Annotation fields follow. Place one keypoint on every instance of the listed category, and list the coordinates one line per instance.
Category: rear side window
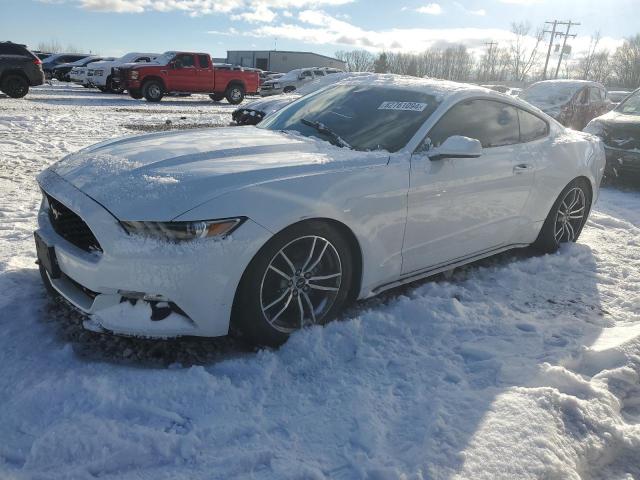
(306, 74)
(8, 49)
(143, 60)
(318, 73)
(495, 124)
(203, 60)
(531, 127)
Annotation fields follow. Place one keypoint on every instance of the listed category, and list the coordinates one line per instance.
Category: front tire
(111, 88)
(135, 94)
(566, 218)
(235, 94)
(16, 86)
(302, 276)
(153, 91)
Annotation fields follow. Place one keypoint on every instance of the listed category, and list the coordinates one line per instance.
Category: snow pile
(522, 366)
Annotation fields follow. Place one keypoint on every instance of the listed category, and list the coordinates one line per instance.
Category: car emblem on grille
(56, 213)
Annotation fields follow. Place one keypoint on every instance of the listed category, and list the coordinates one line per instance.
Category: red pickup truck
(185, 72)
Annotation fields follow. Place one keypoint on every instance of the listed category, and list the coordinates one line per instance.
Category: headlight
(133, 75)
(182, 231)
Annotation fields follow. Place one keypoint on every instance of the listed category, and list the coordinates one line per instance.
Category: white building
(281, 61)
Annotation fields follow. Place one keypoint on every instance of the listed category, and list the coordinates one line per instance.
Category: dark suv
(19, 69)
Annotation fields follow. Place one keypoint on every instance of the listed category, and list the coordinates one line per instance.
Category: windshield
(365, 117)
(549, 93)
(631, 106)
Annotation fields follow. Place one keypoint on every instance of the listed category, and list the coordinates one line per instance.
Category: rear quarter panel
(564, 156)
(223, 77)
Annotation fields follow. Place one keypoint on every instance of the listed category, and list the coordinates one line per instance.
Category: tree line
(522, 60)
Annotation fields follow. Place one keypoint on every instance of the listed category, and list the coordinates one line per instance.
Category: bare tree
(523, 56)
(357, 60)
(54, 46)
(625, 63)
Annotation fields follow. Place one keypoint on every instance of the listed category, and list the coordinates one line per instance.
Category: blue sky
(113, 27)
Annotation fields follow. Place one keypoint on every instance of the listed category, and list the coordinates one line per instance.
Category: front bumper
(620, 161)
(267, 91)
(200, 278)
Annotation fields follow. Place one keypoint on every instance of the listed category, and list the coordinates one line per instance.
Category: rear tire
(302, 276)
(216, 97)
(16, 86)
(234, 94)
(566, 218)
(153, 91)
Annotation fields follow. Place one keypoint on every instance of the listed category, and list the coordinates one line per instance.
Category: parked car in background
(497, 88)
(186, 72)
(619, 129)
(101, 74)
(252, 113)
(293, 80)
(616, 96)
(343, 194)
(62, 71)
(571, 102)
(19, 69)
(41, 55)
(52, 61)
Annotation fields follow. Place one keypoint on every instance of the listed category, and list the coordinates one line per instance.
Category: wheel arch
(343, 229)
(236, 82)
(150, 78)
(13, 71)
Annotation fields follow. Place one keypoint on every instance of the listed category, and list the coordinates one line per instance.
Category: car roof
(571, 82)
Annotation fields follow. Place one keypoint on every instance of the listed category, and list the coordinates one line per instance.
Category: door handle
(522, 168)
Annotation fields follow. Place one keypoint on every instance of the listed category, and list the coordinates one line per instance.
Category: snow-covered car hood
(160, 176)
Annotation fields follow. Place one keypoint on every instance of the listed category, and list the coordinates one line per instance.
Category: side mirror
(456, 147)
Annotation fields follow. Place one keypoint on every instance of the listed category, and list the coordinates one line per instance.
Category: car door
(182, 75)
(462, 207)
(306, 76)
(581, 110)
(204, 75)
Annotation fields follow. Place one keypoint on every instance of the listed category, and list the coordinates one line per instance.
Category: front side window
(366, 117)
(186, 61)
(306, 74)
(495, 124)
(143, 60)
(531, 127)
(318, 73)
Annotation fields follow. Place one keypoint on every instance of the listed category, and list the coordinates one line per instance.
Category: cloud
(521, 2)
(247, 9)
(430, 9)
(261, 14)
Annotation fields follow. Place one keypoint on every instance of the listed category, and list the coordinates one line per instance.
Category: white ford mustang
(359, 187)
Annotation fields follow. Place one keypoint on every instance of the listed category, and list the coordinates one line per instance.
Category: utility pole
(564, 44)
(553, 35)
(490, 61)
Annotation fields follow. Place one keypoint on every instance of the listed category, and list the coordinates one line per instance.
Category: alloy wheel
(570, 216)
(301, 283)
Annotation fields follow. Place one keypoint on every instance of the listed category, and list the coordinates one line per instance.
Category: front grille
(71, 227)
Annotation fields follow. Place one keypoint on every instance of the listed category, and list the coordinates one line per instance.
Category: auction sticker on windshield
(410, 106)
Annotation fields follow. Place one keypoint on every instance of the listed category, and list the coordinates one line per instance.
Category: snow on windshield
(165, 58)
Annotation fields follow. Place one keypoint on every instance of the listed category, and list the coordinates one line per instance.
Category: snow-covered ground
(522, 366)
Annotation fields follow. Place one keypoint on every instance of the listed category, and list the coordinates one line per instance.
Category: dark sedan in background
(620, 132)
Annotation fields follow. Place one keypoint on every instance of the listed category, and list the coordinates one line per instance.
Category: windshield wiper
(322, 128)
